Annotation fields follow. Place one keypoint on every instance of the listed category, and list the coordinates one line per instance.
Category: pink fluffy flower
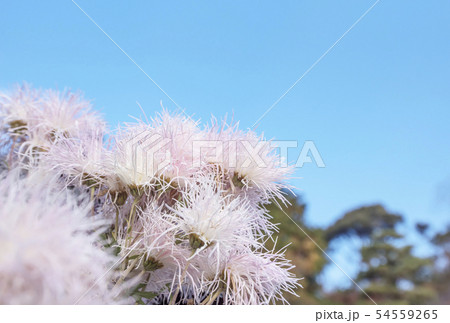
(80, 160)
(146, 153)
(210, 219)
(258, 278)
(35, 120)
(20, 107)
(49, 251)
(67, 114)
(247, 277)
(249, 161)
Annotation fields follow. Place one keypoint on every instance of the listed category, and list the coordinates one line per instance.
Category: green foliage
(389, 271)
(362, 222)
(441, 277)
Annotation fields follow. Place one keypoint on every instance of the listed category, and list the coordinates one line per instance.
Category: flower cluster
(181, 208)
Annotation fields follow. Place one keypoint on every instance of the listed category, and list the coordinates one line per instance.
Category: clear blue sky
(377, 106)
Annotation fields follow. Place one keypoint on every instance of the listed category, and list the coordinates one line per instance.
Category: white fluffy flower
(258, 278)
(211, 219)
(80, 160)
(249, 161)
(49, 253)
(34, 120)
(145, 153)
(66, 114)
(248, 277)
(20, 107)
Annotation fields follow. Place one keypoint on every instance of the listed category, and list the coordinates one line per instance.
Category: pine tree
(441, 277)
(389, 272)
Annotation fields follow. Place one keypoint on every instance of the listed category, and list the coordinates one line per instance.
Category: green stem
(212, 298)
(116, 229)
(126, 272)
(183, 276)
(132, 212)
(92, 199)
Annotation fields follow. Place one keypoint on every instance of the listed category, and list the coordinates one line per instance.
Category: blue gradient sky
(377, 106)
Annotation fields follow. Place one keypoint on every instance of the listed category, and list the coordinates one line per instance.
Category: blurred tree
(441, 278)
(362, 222)
(422, 228)
(389, 271)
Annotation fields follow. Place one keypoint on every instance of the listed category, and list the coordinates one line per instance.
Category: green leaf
(147, 295)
